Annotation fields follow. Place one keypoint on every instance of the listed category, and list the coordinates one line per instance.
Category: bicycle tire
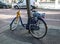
(32, 31)
(11, 28)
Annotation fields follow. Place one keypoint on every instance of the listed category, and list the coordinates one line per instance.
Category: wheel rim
(16, 7)
(42, 30)
(15, 24)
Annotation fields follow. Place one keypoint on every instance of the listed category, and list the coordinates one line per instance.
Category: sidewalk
(12, 16)
(23, 37)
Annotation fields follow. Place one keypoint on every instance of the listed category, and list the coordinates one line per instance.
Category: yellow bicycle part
(18, 15)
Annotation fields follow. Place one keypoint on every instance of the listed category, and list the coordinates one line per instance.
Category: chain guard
(33, 27)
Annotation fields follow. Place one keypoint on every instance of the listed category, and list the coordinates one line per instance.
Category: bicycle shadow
(22, 35)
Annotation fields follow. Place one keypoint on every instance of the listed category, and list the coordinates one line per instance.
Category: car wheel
(16, 7)
(4, 7)
(7, 7)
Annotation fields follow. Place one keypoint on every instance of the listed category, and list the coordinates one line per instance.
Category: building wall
(47, 4)
(46, 0)
(43, 0)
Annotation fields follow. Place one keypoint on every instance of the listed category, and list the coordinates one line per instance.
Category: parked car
(22, 4)
(4, 5)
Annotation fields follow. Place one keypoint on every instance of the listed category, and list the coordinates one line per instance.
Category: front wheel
(4, 7)
(14, 24)
(39, 30)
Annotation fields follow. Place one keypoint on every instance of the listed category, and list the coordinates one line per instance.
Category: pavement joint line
(4, 28)
(7, 27)
(53, 27)
(53, 19)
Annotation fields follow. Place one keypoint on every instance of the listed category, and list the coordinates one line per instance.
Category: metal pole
(28, 10)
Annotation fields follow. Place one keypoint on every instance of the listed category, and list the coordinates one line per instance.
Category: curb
(49, 9)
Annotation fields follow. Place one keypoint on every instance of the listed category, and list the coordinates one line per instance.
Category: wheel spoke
(41, 31)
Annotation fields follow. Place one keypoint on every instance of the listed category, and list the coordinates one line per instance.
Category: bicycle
(37, 26)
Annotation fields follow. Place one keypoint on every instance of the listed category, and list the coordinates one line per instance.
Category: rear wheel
(41, 31)
(14, 24)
